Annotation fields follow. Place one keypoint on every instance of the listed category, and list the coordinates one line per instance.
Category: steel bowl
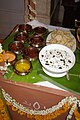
(31, 53)
(37, 41)
(22, 37)
(16, 47)
(40, 30)
(22, 67)
(9, 57)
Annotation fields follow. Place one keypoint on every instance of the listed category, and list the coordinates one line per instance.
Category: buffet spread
(43, 55)
(68, 81)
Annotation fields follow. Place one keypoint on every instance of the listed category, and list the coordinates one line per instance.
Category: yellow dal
(23, 67)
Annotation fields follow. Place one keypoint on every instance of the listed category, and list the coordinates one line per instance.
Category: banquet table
(37, 84)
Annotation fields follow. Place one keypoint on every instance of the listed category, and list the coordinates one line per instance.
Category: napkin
(48, 84)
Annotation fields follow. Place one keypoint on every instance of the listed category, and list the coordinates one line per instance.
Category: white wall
(11, 13)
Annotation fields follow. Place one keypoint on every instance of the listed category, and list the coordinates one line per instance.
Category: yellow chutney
(23, 66)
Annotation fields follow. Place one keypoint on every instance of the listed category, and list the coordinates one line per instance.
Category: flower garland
(4, 115)
(65, 104)
(3, 68)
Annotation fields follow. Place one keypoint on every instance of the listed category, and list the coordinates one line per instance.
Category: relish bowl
(31, 53)
(22, 37)
(40, 30)
(9, 57)
(22, 67)
(16, 47)
(37, 41)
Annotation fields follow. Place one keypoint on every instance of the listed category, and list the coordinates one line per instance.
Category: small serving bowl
(28, 28)
(22, 36)
(56, 60)
(9, 57)
(22, 67)
(22, 27)
(16, 47)
(40, 30)
(31, 53)
(37, 41)
(25, 27)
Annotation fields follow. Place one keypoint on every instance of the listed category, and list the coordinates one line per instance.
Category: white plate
(54, 74)
(56, 58)
(73, 47)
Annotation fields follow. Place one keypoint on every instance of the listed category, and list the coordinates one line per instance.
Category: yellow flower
(76, 113)
(30, 116)
(1, 57)
(21, 112)
(1, 104)
(14, 108)
(7, 103)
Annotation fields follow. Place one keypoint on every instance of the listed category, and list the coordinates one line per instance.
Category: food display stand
(25, 97)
